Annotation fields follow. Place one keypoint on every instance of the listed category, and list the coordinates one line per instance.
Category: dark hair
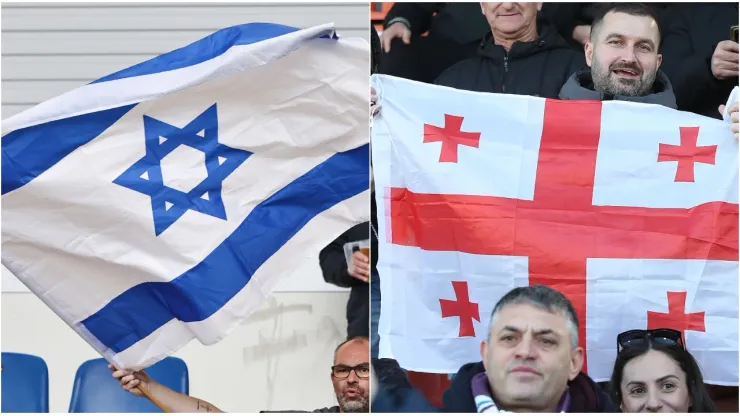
(347, 341)
(545, 298)
(700, 400)
(632, 9)
(374, 50)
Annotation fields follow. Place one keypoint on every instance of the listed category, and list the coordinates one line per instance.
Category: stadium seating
(96, 391)
(25, 384)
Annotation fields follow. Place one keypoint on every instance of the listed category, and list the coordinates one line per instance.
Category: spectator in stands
(531, 363)
(624, 62)
(350, 376)
(654, 373)
(519, 55)
(355, 275)
(622, 54)
(699, 57)
(453, 32)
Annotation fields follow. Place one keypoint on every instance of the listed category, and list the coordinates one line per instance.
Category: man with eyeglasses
(350, 376)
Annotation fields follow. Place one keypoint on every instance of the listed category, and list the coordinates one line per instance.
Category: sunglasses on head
(637, 337)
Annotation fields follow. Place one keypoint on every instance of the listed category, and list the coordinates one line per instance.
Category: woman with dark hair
(654, 373)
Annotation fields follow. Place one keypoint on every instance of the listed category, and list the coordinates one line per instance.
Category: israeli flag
(163, 203)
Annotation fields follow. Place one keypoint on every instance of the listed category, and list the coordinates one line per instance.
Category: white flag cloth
(163, 203)
(630, 210)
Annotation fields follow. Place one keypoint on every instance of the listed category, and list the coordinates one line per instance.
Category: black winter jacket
(538, 68)
(689, 40)
(459, 22)
(334, 267)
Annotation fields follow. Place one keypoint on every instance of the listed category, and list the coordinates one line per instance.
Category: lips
(626, 72)
(352, 393)
(524, 369)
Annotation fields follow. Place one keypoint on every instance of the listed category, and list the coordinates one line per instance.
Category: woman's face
(654, 383)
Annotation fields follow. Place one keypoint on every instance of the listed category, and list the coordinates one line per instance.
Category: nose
(352, 378)
(653, 404)
(628, 55)
(525, 349)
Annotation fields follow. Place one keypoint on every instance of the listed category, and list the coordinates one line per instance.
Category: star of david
(169, 204)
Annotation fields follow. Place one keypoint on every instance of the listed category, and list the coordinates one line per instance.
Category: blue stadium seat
(96, 391)
(25, 387)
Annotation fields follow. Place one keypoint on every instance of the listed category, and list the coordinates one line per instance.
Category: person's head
(622, 50)
(532, 348)
(654, 373)
(350, 375)
(511, 20)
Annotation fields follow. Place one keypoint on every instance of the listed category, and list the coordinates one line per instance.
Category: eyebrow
(643, 40)
(642, 383)
(538, 332)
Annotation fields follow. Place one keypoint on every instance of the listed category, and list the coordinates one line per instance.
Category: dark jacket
(581, 87)
(689, 41)
(538, 68)
(585, 395)
(462, 23)
(396, 396)
(334, 267)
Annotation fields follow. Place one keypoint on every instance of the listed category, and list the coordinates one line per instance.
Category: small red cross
(451, 136)
(677, 318)
(687, 154)
(462, 307)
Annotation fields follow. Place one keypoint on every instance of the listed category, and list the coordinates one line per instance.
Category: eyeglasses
(662, 336)
(342, 371)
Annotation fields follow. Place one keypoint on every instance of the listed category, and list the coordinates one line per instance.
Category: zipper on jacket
(506, 69)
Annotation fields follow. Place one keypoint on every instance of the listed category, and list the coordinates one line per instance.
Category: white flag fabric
(630, 210)
(162, 203)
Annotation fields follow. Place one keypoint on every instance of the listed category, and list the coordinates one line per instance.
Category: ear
(589, 52)
(482, 9)
(539, 7)
(576, 362)
(660, 60)
(483, 351)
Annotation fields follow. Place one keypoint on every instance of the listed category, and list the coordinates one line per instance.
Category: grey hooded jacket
(580, 86)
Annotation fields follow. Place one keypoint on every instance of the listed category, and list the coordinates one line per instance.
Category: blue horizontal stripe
(198, 293)
(30, 151)
(203, 50)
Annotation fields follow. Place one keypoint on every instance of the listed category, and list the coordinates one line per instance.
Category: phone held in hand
(733, 33)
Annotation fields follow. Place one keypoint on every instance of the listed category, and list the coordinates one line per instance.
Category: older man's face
(624, 57)
(510, 18)
(351, 377)
(529, 357)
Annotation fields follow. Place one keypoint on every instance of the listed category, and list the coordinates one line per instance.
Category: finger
(735, 128)
(376, 110)
(386, 42)
(132, 385)
(734, 108)
(406, 36)
(729, 45)
(120, 373)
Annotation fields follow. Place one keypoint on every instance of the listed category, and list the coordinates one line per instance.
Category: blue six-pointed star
(169, 204)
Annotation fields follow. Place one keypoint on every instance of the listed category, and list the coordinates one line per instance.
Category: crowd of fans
(679, 55)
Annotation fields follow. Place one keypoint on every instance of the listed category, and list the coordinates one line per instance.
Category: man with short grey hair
(531, 363)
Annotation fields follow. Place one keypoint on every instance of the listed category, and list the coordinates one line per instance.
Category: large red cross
(687, 154)
(677, 318)
(462, 307)
(451, 136)
(560, 228)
